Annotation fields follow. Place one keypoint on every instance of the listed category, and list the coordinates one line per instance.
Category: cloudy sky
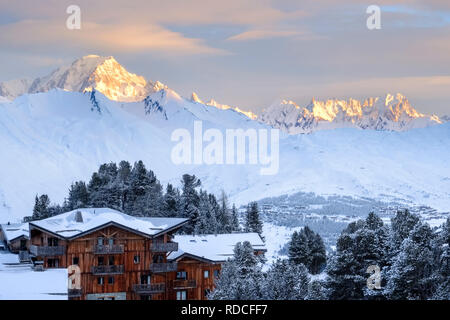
(247, 53)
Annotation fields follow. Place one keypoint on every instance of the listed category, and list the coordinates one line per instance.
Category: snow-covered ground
(20, 282)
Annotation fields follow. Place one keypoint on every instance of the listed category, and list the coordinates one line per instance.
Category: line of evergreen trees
(136, 191)
(413, 259)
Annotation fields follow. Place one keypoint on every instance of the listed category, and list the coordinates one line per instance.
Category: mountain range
(106, 75)
(51, 138)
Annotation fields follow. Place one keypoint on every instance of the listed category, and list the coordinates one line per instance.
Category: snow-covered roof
(15, 230)
(213, 247)
(67, 225)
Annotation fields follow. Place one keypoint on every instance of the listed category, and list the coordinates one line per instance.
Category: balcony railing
(108, 249)
(164, 247)
(100, 270)
(163, 267)
(74, 293)
(44, 251)
(149, 288)
(184, 284)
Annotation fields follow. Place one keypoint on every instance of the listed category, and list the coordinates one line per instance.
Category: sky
(246, 53)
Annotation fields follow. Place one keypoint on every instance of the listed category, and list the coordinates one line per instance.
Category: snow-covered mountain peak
(91, 72)
(394, 113)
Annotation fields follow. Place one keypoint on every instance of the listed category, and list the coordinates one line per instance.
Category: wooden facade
(114, 262)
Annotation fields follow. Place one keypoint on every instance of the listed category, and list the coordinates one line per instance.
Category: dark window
(111, 280)
(182, 275)
(100, 241)
(101, 261)
(111, 260)
(216, 273)
(207, 291)
(145, 279)
(75, 260)
(137, 259)
(52, 242)
(158, 258)
(100, 281)
(53, 263)
(181, 295)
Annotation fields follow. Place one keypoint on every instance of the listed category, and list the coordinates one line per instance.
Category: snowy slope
(393, 113)
(52, 139)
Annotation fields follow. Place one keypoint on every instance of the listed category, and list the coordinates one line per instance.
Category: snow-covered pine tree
(123, 183)
(253, 222)
(171, 202)
(241, 277)
(78, 196)
(235, 226)
(41, 207)
(442, 263)
(316, 291)
(286, 281)
(190, 201)
(307, 248)
(223, 214)
(411, 274)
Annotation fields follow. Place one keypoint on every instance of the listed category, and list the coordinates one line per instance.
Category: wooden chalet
(110, 255)
(114, 256)
(14, 236)
(199, 262)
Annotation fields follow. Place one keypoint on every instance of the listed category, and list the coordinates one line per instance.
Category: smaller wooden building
(199, 262)
(15, 236)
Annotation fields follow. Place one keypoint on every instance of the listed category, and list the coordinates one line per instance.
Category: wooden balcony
(184, 284)
(164, 247)
(74, 293)
(104, 270)
(46, 251)
(108, 249)
(149, 288)
(163, 267)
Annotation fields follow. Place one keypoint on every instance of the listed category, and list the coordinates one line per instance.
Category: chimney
(78, 217)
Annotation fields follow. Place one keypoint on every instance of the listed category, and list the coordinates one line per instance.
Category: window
(53, 263)
(216, 273)
(206, 274)
(52, 242)
(111, 280)
(75, 260)
(101, 260)
(145, 279)
(158, 258)
(181, 295)
(100, 281)
(207, 292)
(111, 241)
(100, 241)
(137, 259)
(182, 275)
(111, 260)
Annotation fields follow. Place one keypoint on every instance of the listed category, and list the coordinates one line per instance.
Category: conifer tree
(253, 222)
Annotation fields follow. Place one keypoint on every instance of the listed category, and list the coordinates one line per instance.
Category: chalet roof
(15, 230)
(216, 248)
(69, 225)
